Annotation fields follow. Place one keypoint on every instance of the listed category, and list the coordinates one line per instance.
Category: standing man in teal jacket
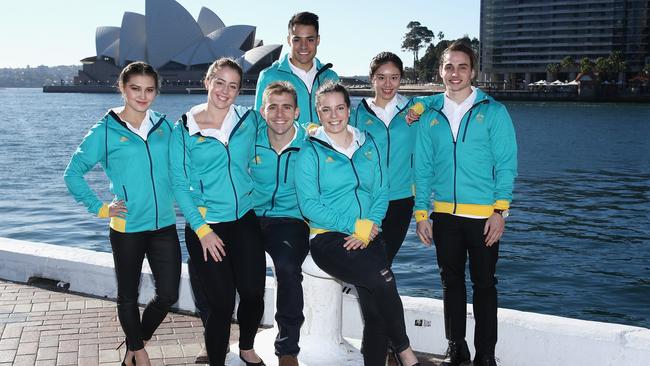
(285, 234)
(466, 154)
(300, 67)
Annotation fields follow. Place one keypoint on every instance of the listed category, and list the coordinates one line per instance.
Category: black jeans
(243, 269)
(200, 299)
(287, 242)
(367, 269)
(163, 253)
(455, 237)
(396, 224)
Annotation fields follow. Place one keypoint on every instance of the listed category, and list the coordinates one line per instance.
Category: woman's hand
(117, 209)
(425, 232)
(212, 244)
(374, 232)
(353, 243)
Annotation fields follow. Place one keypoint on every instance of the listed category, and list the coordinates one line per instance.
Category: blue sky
(45, 32)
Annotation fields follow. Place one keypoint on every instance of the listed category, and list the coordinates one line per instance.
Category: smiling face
(223, 87)
(385, 82)
(303, 40)
(333, 112)
(138, 92)
(457, 74)
(279, 112)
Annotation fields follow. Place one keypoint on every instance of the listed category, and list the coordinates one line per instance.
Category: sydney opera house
(178, 46)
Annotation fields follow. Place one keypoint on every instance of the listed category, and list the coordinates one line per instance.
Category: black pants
(163, 253)
(287, 242)
(396, 224)
(200, 299)
(368, 270)
(243, 269)
(456, 237)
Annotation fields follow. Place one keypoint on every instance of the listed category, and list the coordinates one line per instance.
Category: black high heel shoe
(261, 363)
(126, 352)
(399, 359)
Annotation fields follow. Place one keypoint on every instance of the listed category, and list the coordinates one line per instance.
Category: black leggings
(396, 224)
(163, 253)
(243, 269)
(367, 269)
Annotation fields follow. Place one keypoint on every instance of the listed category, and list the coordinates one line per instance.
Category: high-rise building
(520, 38)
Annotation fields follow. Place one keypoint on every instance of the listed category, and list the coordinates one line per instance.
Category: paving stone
(9, 344)
(29, 336)
(109, 355)
(69, 346)
(88, 350)
(12, 332)
(46, 353)
(25, 360)
(66, 358)
(27, 348)
(7, 355)
(172, 350)
(154, 352)
(88, 361)
(45, 362)
(22, 308)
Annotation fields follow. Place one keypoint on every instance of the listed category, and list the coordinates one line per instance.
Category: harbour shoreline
(525, 338)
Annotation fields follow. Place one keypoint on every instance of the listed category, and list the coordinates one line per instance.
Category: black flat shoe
(261, 363)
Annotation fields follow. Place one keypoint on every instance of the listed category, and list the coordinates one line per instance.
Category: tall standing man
(285, 233)
(300, 67)
(466, 154)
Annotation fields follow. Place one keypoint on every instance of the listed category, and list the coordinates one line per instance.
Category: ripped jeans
(368, 270)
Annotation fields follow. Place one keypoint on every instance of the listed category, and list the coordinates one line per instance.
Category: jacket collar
(283, 64)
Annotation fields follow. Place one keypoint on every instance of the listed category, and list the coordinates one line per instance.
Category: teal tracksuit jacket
(138, 172)
(341, 194)
(474, 174)
(281, 71)
(210, 179)
(274, 191)
(397, 143)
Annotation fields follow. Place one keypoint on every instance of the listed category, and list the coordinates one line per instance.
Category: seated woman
(343, 191)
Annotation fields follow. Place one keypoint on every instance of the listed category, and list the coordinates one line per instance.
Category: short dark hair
(332, 87)
(384, 58)
(279, 87)
(460, 46)
(304, 18)
(224, 62)
(137, 68)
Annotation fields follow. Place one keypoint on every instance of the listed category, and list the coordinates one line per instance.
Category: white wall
(524, 338)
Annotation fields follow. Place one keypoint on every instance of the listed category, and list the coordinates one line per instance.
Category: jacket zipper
(470, 111)
(126, 197)
(146, 144)
(320, 71)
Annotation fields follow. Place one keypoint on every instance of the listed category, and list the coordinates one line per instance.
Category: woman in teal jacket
(343, 190)
(131, 144)
(384, 116)
(210, 151)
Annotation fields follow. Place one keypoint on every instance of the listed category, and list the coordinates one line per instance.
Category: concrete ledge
(524, 338)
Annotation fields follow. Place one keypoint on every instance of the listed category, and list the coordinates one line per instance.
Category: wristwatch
(503, 213)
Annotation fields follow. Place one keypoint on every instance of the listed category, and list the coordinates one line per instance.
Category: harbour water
(577, 242)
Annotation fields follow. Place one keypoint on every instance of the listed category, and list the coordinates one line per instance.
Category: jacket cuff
(362, 229)
(103, 211)
(420, 215)
(501, 205)
(203, 230)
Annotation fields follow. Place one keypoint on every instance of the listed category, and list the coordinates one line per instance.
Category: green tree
(417, 37)
(441, 36)
(567, 63)
(617, 62)
(586, 65)
(602, 67)
(553, 68)
(646, 70)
